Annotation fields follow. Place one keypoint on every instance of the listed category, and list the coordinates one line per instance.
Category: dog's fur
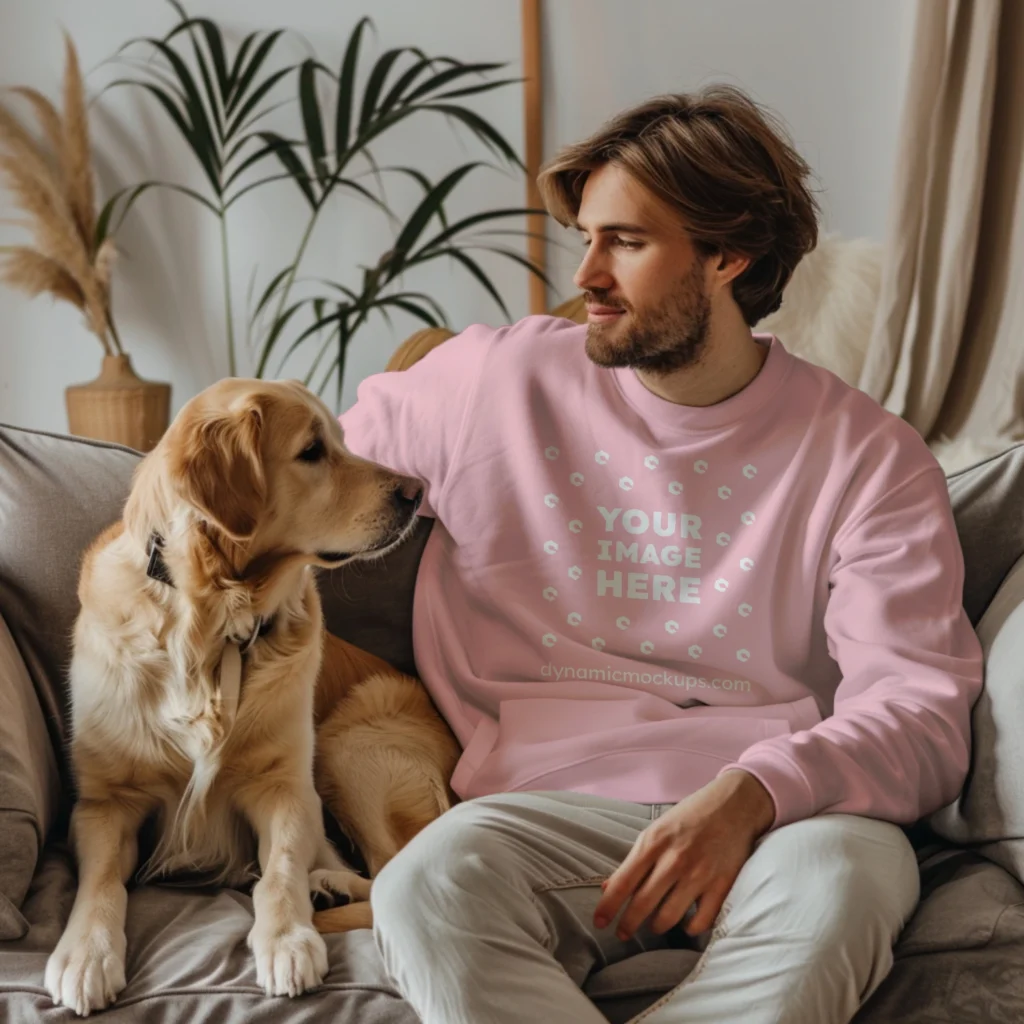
(249, 489)
(384, 757)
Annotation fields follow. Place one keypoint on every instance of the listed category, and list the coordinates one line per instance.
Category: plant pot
(119, 406)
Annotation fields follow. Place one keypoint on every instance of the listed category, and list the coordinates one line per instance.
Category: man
(691, 605)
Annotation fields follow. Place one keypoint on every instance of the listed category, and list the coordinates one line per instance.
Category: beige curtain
(947, 349)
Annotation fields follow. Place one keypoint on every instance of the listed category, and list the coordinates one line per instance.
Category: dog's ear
(221, 469)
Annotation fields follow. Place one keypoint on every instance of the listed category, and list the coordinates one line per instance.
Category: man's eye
(622, 243)
(314, 452)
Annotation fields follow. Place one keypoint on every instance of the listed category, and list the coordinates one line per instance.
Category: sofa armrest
(29, 784)
(416, 346)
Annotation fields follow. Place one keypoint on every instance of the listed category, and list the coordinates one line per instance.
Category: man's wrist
(756, 798)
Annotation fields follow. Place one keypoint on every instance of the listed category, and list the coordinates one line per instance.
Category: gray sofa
(960, 959)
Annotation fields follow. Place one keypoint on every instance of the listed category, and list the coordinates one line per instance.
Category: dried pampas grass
(53, 187)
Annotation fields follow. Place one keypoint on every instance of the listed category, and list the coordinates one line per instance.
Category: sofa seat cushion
(960, 959)
(624, 989)
(188, 962)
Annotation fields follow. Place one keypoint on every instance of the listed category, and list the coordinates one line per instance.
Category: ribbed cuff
(789, 789)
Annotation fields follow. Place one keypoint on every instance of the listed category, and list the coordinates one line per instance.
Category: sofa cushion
(188, 962)
(624, 989)
(988, 505)
(960, 959)
(56, 494)
(29, 785)
(369, 604)
(990, 808)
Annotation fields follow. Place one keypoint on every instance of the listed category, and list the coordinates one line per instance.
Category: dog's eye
(314, 452)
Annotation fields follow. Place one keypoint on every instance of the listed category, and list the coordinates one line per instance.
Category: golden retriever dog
(384, 758)
(194, 674)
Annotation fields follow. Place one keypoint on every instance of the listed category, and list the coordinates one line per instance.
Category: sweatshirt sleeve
(411, 421)
(897, 746)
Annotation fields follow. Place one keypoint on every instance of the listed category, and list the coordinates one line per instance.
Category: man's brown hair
(725, 164)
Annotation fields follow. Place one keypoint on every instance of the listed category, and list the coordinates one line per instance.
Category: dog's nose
(407, 496)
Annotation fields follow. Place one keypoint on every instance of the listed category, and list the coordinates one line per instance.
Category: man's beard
(661, 340)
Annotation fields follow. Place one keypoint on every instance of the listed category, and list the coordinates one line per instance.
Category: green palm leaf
(285, 152)
(375, 84)
(312, 120)
(241, 119)
(442, 78)
(429, 207)
(477, 218)
(398, 90)
(103, 227)
(214, 44)
(489, 135)
(245, 77)
(346, 88)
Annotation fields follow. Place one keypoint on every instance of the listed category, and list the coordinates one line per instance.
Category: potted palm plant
(71, 258)
(216, 98)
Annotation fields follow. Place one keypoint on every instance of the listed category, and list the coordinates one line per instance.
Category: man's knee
(454, 858)
(833, 877)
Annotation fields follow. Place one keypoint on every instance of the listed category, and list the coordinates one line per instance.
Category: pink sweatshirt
(626, 597)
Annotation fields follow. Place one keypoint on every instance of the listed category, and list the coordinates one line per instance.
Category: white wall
(832, 69)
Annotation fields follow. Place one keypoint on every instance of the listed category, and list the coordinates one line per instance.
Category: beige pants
(487, 917)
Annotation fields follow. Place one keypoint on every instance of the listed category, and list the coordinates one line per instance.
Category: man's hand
(691, 853)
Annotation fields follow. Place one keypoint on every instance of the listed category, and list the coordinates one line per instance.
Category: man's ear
(729, 266)
(221, 470)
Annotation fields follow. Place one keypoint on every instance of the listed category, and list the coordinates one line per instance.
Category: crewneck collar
(731, 410)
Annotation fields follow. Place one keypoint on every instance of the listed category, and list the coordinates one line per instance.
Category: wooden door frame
(533, 119)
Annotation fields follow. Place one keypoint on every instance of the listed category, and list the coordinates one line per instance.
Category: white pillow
(990, 809)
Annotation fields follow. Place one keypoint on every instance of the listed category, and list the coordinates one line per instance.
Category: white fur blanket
(826, 317)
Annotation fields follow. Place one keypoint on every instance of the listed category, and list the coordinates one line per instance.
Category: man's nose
(592, 275)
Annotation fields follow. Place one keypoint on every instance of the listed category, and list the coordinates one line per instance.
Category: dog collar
(157, 570)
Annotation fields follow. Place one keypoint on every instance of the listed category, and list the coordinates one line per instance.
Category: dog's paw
(290, 962)
(332, 888)
(86, 973)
